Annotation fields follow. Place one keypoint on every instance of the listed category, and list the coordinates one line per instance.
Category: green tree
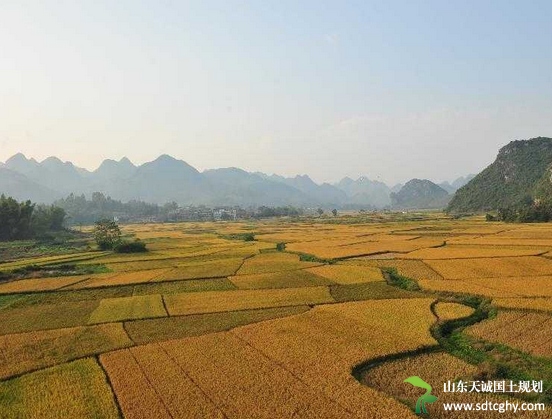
(320, 211)
(334, 212)
(107, 234)
(15, 219)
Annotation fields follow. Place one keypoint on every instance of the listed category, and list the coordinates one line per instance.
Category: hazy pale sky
(387, 89)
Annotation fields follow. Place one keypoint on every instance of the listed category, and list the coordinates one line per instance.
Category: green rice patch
(61, 297)
(147, 331)
(75, 390)
(45, 316)
(369, 291)
(289, 279)
(212, 269)
(128, 308)
(30, 351)
(191, 285)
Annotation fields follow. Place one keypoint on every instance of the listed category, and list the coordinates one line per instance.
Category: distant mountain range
(520, 175)
(167, 179)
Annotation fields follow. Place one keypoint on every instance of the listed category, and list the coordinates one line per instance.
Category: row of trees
(24, 220)
(535, 213)
(83, 211)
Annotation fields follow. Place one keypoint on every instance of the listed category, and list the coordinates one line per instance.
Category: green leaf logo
(426, 398)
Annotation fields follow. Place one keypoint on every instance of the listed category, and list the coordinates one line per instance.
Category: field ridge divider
(110, 384)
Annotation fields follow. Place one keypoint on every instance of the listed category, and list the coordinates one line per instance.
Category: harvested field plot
(75, 390)
(211, 302)
(343, 274)
(128, 308)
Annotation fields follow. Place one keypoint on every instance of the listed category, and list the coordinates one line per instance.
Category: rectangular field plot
(272, 262)
(492, 267)
(35, 350)
(327, 249)
(532, 286)
(141, 266)
(45, 316)
(464, 287)
(75, 390)
(189, 285)
(208, 269)
(50, 260)
(128, 308)
(348, 274)
(468, 252)
(536, 304)
(377, 290)
(414, 269)
(287, 279)
(122, 278)
(148, 384)
(40, 284)
(527, 331)
(61, 297)
(154, 330)
(211, 302)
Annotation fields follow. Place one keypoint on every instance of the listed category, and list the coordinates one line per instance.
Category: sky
(390, 90)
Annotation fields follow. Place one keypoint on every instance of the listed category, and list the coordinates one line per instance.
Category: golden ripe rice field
(314, 318)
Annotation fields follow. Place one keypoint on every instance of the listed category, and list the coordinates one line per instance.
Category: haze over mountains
(167, 179)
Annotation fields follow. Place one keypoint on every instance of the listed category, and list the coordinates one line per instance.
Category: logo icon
(426, 398)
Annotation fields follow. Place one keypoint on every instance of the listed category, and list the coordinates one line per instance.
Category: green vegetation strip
(494, 361)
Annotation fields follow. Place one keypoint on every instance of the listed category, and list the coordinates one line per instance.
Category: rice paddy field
(315, 318)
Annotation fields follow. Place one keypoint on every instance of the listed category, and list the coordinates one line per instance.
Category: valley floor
(314, 318)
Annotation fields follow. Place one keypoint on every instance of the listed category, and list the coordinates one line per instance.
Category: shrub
(136, 246)
(107, 234)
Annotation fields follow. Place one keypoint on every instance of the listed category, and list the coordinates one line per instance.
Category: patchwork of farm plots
(207, 324)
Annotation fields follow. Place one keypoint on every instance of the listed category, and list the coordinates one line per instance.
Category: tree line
(25, 220)
(83, 211)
